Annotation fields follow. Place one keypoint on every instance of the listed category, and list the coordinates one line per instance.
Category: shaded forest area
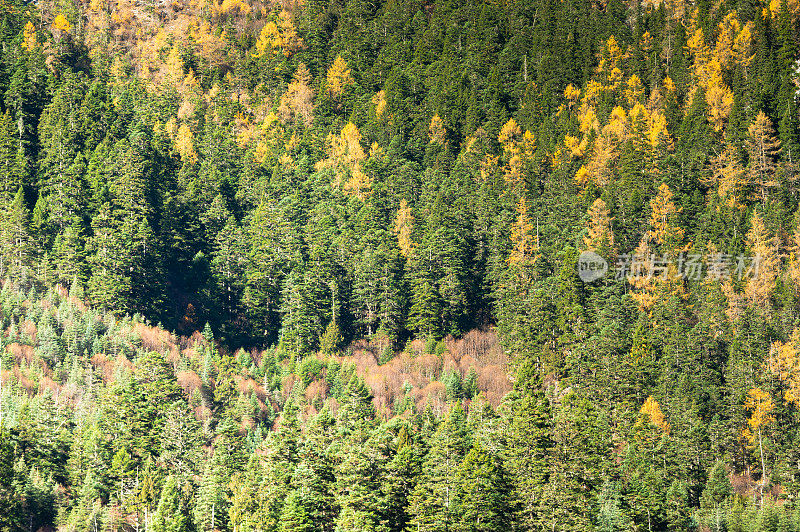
(361, 221)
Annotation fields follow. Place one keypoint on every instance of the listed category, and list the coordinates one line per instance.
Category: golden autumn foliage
(403, 227)
(763, 147)
(345, 155)
(572, 94)
(719, 98)
(338, 77)
(647, 128)
(346, 148)
(509, 135)
(514, 173)
(653, 278)
(731, 50)
(279, 37)
(184, 144)
(436, 130)
(664, 229)
(359, 184)
(600, 237)
(174, 66)
(652, 410)
(61, 24)
(230, 6)
(610, 59)
(784, 363)
(767, 265)
(576, 147)
(379, 101)
(761, 408)
(776, 7)
(298, 100)
(523, 240)
(729, 178)
(29, 41)
(634, 90)
(793, 265)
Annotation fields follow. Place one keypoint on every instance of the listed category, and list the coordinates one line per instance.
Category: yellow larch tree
(298, 100)
(734, 42)
(766, 265)
(654, 276)
(279, 37)
(379, 101)
(605, 149)
(345, 154)
(359, 184)
(518, 150)
(663, 213)
(708, 67)
(728, 29)
(641, 278)
(600, 237)
(509, 135)
(793, 267)
(572, 94)
(174, 67)
(206, 42)
(524, 245)
(608, 67)
(729, 178)
(437, 133)
(784, 363)
(719, 98)
(338, 78)
(61, 24)
(653, 280)
(634, 90)
(29, 40)
(184, 144)
(763, 147)
(403, 228)
(576, 146)
(230, 6)
(776, 7)
(652, 410)
(760, 405)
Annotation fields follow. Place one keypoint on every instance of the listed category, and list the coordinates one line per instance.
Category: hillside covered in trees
(316, 265)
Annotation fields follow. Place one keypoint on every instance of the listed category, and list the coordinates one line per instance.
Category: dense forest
(316, 265)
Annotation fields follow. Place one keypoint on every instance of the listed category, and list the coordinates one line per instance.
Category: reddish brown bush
(106, 366)
(287, 384)
(430, 366)
(173, 355)
(493, 381)
(46, 383)
(21, 353)
(434, 394)
(417, 346)
(155, 339)
(202, 413)
(449, 363)
(25, 383)
(248, 386)
(382, 393)
(189, 381)
(316, 390)
(190, 353)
